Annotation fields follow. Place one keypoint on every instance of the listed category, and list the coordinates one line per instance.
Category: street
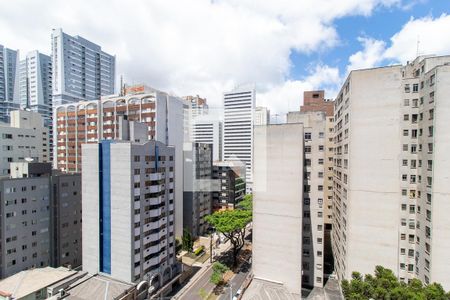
(202, 284)
(236, 281)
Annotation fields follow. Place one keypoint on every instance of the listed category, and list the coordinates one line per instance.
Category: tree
(218, 271)
(384, 285)
(231, 223)
(186, 241)
(246, 203)
(178, 246)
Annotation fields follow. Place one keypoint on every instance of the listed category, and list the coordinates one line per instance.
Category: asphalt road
(202, 283)
(236, 282)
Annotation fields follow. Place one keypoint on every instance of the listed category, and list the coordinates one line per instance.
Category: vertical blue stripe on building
(105, 206)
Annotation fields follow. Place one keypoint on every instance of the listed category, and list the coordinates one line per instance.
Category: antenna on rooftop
(418, 43)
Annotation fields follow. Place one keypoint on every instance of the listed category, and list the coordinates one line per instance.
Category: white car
(238, 293)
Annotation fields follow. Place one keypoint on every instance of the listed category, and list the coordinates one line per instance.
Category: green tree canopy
(385, 285)
(232, 224)
(218, 270)
(246, 203)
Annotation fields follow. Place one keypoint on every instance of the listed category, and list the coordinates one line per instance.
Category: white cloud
(432, 35)
(192, 47)
(288, 96)
(371, 55)
(430, 32)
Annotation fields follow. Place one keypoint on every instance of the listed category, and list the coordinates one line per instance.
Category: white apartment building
(24, 137)
(262, 116)
(92, 121)
(391, 189)
(35, 84)
(239, 106)
(128, 210)
(9, 60)
(207, 131)
(80, 69)
(278, 205)
(314, 189)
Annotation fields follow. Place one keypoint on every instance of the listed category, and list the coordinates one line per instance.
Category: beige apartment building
(277, 208)
(314, 191)
(391, 164)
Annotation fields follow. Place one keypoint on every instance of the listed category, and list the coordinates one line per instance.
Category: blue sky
(382, 24)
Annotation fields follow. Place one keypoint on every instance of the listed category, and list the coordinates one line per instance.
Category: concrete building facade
(262, 116)
(229, 184)
(80, 69)
(24, 137)
(278, 205)
(239, 106)
(65, 220)
(41, 218)
(207, 131)
(93, 121)
(9, 60)
(389, 198)
(128, 208)
(313, 228)
(35, 85)
(197, 195)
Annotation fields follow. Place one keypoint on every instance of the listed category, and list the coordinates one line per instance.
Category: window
(415, 87)
(405, 117)
(307, 135)
(307, 149)
(407, 88)
(320, 147)
(321, 135)
(405, 132)
(406, 102)
(405, 163)
(137, 158)
(320, 161)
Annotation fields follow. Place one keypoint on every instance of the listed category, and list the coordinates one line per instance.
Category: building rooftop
(267, 290)
(97, 287)
(30, 281)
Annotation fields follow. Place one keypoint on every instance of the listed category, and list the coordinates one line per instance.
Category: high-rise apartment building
(314, 189)
(9, 60)
(80, 69)
(391, 192)
(65, 219)
(197, 195)
(239, 106)
(262, 116)
(208, 131)
(198, 106)
(278, 206)
(35, 84)
(41, 218)
(128, 209)
(229, 184)
(24, 137)
(25, 223)
(314, 101)
(93, 121)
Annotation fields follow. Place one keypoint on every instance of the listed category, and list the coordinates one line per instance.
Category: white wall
(278, 200)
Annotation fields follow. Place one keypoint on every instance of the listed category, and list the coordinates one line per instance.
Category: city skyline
(305, 47)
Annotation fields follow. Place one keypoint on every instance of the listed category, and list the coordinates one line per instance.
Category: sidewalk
(204, 268)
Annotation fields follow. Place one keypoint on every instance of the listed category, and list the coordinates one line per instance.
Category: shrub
(199, 250)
